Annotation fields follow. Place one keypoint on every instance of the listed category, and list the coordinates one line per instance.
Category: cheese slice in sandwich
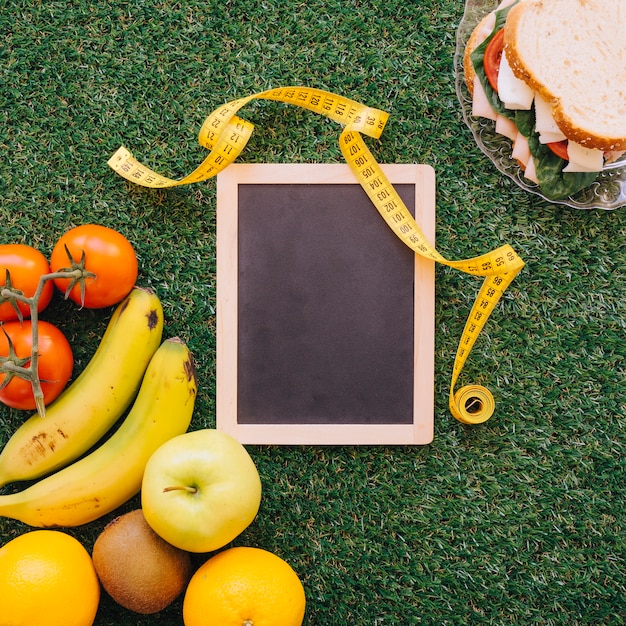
(583, 159)
(545, 125)
(514, 92)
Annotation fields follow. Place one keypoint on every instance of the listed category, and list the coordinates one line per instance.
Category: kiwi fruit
(136, 567)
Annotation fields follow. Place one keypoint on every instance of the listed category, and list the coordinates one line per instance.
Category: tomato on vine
(55, 362)
(107, 258)
(21, 267)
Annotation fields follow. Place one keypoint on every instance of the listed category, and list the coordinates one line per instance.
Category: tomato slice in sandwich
(559, 148)
(492, 58)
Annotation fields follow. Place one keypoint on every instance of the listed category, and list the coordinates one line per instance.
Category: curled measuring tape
(225, 135)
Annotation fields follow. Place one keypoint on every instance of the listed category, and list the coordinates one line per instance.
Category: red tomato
(25, 266)
(493, 55)
(559, 148)
(100, 251)
(54, 366)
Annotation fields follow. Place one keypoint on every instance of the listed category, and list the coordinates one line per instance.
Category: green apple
(200, 490)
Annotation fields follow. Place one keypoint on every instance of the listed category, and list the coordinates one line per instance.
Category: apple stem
(181, 488)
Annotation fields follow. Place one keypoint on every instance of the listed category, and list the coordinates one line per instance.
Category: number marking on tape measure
(225, 135)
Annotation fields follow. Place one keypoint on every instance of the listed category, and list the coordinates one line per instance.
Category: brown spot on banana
(153, 319)
(190, 369)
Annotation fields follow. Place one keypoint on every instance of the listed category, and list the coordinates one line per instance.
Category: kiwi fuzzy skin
(137, 568)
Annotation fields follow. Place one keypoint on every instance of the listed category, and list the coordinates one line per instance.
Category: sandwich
(551, 74)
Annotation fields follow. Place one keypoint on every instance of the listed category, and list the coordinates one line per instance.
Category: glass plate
(609, 189)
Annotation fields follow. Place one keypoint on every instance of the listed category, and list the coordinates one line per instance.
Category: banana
(90, 406)
(111, 475)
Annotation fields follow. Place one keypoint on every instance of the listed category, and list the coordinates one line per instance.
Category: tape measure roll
(225, 135)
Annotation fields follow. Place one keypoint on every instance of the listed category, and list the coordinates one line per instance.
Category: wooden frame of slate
(325, 318)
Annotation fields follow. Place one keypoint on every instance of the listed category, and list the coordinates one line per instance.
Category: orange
(244, 587)
(47, 578)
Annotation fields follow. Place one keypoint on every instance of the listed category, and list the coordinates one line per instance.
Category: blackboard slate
(325, 308)
(325, 318)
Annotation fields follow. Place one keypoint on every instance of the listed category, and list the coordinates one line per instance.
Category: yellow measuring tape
(225, 135)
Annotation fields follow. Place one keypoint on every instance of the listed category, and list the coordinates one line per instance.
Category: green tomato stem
(31, 372)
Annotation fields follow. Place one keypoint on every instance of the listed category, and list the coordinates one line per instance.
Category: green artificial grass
(515, 521)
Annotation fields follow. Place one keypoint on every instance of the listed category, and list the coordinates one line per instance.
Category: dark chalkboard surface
(325, 318)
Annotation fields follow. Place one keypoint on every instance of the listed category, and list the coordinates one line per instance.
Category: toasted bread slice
(573, 53)
(479, 34)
